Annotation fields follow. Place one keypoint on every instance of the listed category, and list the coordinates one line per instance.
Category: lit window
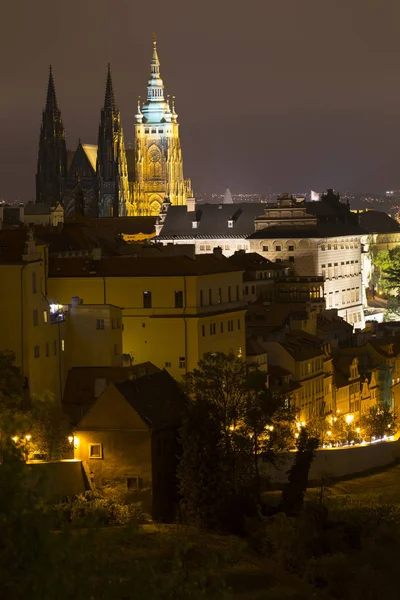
(230, 224)
(194, 224)
(95, 451)
(45, 316)
(62, 345)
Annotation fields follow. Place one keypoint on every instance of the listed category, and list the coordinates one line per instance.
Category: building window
(95, 451)
(222, 327)
(45, 316)
(201, 298)
(230, 224)
(265, 248)
(55, 347)
(291, 248)
(178, 299)
(229, 293)
(194, 224)
(167, 365)
(47, 349)
(291, 258)
(182, 362)
(62, 345)
(212, 329)
(202, 247)
(35, 317)
(238, 323)
(100, 324)
(115, 349)
(278, 248)
(210, 297)
(237, 293)
(219, 295)
(203, 330)
(146, 299)
(278, 260)
(133, 483)
(34, 282)
(36, 351)
(147, 130)
(230, 325)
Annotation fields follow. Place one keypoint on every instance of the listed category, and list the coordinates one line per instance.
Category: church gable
(83, 164)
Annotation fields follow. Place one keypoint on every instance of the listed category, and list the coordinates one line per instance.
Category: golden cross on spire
(154, 39)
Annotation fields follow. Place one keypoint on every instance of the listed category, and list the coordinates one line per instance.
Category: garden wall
(57, 479)
(340, 462)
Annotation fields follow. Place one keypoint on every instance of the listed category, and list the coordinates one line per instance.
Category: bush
(94, 508)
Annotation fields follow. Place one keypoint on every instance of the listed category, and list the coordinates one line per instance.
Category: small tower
(111, 167)
(52, 157)
(158, 154)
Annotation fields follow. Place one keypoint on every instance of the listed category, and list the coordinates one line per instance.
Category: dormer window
(195, 224)
(230, 223)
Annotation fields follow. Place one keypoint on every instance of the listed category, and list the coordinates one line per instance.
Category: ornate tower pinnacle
(155, 107)
(52, 157)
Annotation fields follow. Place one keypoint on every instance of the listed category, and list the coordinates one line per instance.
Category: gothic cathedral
(108, 179)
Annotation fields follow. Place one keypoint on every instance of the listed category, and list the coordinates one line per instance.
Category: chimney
(191, 204)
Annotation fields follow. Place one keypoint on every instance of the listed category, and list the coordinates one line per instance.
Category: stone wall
(340, 462)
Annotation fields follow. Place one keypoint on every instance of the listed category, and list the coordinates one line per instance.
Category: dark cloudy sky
(281, 94)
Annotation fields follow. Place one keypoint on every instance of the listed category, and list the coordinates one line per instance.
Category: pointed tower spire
(51, 99)
(155, 106)
(109, 99)
(52, 159)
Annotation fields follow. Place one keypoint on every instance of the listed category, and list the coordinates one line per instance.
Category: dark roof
(12, 245)
(38, 208)
(375, 221)
(11, 215)
(278, 371)
(322, 230)
(212, 221)
(121, 225)
(76, 236)
(251, 261)
(335, 323)
(254, 348)
(79, 393)
(157, 398)
(126, 266)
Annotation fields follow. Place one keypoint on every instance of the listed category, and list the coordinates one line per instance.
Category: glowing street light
(28, 437)
(349, 419)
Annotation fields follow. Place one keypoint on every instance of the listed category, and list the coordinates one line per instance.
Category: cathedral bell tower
(111, 165)
(158, 154)
(52, 157)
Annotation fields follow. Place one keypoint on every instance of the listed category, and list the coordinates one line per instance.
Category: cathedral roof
(375, 221)
(91, 153)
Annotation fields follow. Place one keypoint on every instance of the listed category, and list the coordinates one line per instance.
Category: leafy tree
(12, 393)
(48, 427)
(293, 493)
(232, 423)
(379, 421)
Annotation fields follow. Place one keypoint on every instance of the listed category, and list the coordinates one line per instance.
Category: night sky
(288, 95)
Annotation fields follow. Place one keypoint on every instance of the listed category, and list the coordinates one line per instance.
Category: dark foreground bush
(94, 508)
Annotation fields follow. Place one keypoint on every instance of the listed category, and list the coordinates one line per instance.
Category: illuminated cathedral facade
(109, 179)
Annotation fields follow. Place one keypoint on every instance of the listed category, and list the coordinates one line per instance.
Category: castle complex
(109, 179)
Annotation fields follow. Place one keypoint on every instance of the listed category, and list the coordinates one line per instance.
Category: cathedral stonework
(158, 153)
(108, 179)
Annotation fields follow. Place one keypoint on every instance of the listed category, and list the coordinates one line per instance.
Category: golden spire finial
(154, 38)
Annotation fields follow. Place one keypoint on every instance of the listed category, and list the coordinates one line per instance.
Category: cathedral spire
(52, 157)
(51, 99)
(109, 99)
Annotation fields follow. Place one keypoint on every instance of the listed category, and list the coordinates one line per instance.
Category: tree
(387, 268)
(232, 423)
(48, 427)
(293, 493)
(379, 421)
(12, 393)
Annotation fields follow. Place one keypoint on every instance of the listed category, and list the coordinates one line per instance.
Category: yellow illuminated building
(158, 153)
(26, 325)
(173, 309)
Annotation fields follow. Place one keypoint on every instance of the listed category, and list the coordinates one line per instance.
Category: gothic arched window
(155, 162)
